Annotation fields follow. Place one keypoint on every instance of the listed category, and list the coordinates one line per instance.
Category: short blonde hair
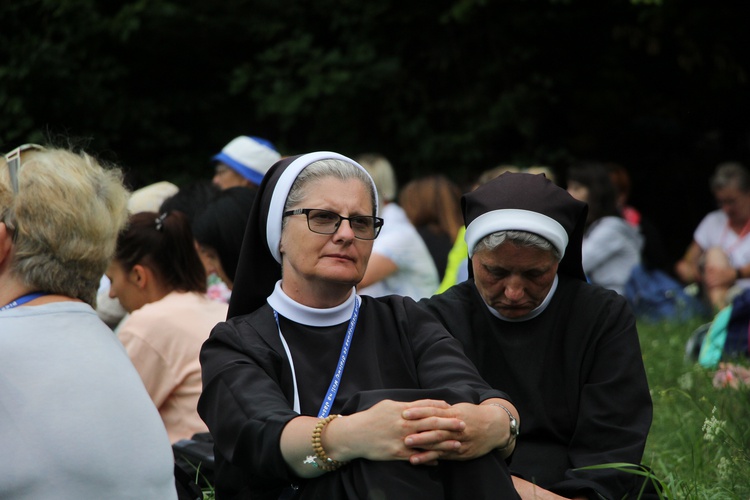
(382, 174)
(65, 219)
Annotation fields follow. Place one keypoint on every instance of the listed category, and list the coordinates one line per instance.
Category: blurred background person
(493, 172)
(611, 246)
(243, 162)
(192, 199)
(159, 279)
(219, 229)
(75, 420)
(719, 256)
(653, 255)
(145, 199)
(541, 169)
(433, 205)
(400, 262)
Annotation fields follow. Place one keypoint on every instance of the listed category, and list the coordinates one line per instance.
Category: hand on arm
(486, 427)
(379, 433)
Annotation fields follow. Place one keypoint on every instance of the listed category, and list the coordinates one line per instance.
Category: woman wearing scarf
(312, 391)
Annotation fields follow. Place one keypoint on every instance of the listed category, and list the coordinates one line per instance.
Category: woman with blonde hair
(75, 420)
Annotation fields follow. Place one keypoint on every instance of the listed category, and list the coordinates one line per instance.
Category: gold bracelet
(328, 464)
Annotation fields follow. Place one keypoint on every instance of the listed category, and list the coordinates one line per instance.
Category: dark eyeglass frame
(377, 222)
(13, 160)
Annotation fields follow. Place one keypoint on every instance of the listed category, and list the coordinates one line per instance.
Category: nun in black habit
(300, 349)
(568, 351)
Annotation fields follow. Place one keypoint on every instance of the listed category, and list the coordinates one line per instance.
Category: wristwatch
(515, 429)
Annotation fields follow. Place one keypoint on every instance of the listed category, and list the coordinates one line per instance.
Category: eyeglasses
(13, 159)
(364, 227)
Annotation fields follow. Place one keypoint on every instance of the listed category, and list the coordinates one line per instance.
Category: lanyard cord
(22, 300)
(325, 407)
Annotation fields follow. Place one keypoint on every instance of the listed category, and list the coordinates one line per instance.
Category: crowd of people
(334, 336)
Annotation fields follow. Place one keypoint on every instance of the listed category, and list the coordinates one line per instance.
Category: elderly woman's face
(512, 279)
(310, 258)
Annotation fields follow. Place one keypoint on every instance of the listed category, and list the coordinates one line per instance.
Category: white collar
(534, 313)
(310, 316)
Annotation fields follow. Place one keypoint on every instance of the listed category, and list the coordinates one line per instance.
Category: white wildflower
(723, 468)
(712, 427)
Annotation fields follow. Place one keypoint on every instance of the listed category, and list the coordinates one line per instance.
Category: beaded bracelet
(328, 464)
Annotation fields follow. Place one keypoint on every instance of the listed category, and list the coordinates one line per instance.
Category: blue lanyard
(22, 300)
(325, 408)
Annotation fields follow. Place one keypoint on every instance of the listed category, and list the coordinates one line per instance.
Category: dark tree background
(451, 86)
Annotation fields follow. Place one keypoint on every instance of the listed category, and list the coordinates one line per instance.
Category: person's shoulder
(458, 300)
(257, 318)
(463, 292)
(246, 330)
(392, 305)
(589, 297)
(396, 224)
(176, 307)
(612, 224)
(386, 302)
(713, 218)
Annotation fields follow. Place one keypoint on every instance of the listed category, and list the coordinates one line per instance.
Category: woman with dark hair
(159, 279)
(219, 229)
(611, 246)
(433, 205)
(312, 388)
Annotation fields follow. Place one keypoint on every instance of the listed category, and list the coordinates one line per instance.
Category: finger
(428, 424)
(434, 440)
(418, 412)
(428, 457)
(434, 403)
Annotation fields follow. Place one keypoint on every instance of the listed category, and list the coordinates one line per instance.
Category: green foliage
(700, 436)
(456, 86)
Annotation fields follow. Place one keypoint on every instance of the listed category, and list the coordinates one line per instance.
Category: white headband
(510, 219)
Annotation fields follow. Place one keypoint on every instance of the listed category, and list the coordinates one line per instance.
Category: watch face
(514, 426)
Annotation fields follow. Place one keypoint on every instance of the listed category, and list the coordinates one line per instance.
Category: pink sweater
(163, 340)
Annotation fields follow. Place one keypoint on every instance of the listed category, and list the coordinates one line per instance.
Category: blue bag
(656, 296)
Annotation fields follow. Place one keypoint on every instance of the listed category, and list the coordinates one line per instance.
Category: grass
(699, 445)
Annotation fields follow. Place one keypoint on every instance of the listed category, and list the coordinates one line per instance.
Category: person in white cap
(244, 162)
(565, 350)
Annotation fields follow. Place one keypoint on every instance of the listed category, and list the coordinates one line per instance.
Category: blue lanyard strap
(22, 300)
(333, 388)
(325, 408)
